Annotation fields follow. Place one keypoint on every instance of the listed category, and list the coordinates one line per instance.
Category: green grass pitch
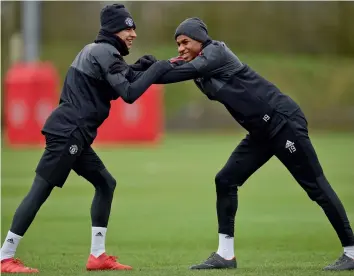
(163, 215)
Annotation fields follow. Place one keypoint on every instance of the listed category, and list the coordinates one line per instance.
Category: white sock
(349, 251)
(226, 247)
(98, 241)
(11, 242)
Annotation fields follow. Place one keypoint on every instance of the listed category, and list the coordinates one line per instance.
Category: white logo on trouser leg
(73, 149)
(290, 146)
(266, 118)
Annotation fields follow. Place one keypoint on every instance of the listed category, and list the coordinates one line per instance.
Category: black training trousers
(61, 155)
(292, 146)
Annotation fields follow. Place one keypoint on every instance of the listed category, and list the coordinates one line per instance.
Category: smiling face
(127, 35)
(188, 48)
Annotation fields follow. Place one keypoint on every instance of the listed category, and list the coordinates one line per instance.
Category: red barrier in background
(141, 121)
(31, 93)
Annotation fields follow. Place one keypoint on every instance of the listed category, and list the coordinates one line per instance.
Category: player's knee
(317, 195)
(111, 183)
(320, 191)
(224, 183)
(107, 183)
(220, 179)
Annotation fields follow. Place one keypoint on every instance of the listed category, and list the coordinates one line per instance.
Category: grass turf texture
(163, 215)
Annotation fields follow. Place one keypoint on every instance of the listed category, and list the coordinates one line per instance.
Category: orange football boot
(105, 262)
(13, 265)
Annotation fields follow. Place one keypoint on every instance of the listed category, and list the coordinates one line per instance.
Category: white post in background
(31, 29)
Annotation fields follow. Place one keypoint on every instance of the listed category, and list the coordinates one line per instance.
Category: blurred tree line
(290, 27)
(306, 48)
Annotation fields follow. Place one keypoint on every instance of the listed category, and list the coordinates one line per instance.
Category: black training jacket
(255, 103)
(89, 88)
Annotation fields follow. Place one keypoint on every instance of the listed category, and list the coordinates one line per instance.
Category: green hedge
(322, 85)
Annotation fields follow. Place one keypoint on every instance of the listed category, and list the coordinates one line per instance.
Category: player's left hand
(143, 63)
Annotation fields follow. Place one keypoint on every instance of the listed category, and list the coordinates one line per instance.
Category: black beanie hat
(194, 28)
(116, 18)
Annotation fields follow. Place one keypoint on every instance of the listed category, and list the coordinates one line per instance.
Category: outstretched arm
(182, 71)
(105, 56)
(131, 91)
(179, 73)
(207, 63)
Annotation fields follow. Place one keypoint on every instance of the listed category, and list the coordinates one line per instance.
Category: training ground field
(163, 215)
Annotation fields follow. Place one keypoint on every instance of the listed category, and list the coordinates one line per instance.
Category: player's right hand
(176, 61)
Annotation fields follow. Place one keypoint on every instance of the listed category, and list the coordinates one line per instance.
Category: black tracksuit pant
(61, 155)
(292, 146)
